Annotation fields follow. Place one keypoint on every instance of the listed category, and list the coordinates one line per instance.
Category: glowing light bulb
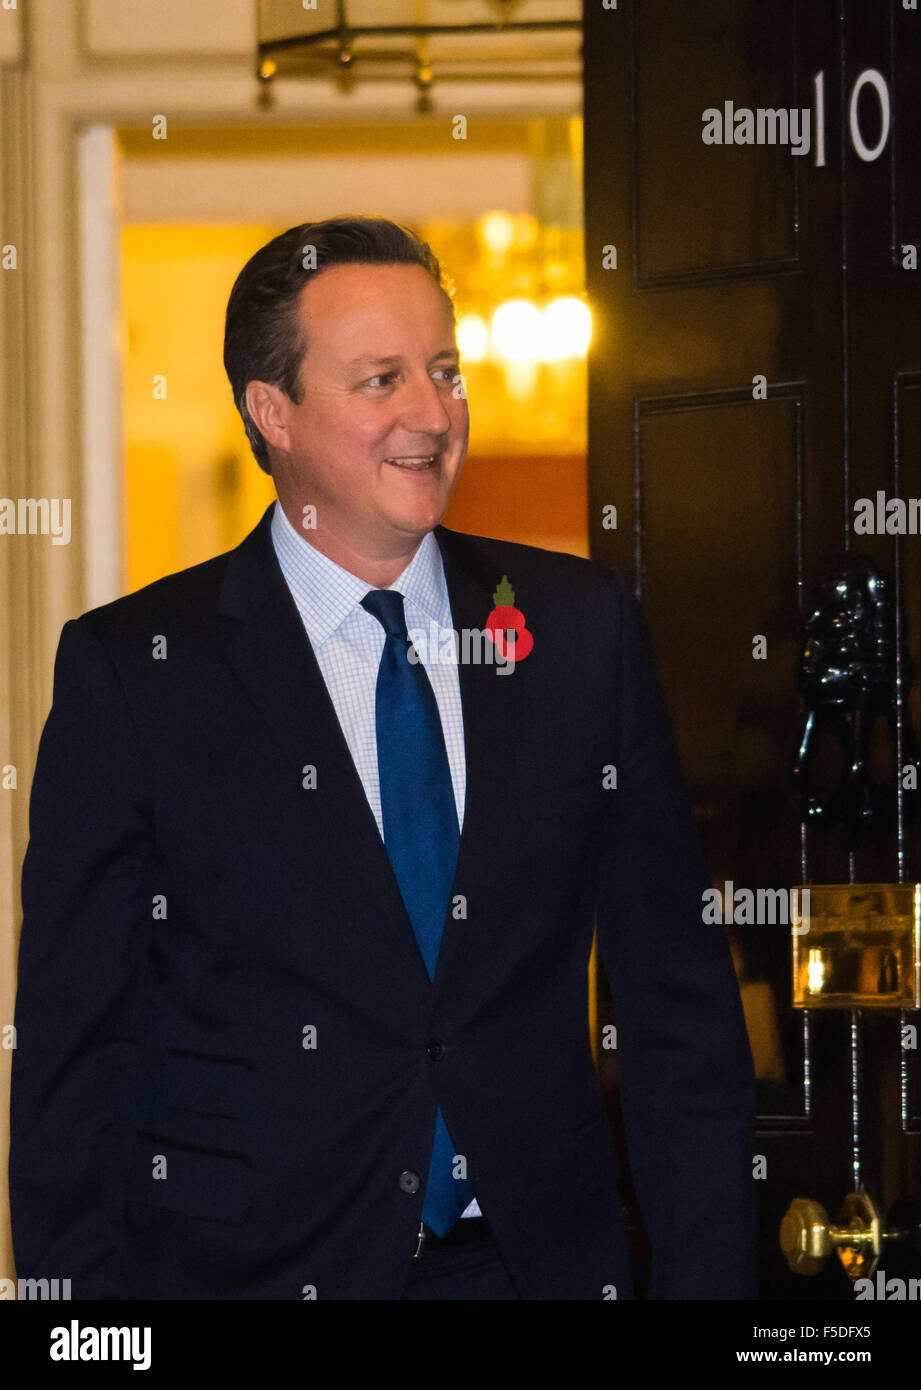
(566, 329)
(497, 233)
(472, 337)
(517, 326)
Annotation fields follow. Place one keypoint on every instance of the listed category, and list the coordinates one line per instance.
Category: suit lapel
(491, 706)
(267, 647)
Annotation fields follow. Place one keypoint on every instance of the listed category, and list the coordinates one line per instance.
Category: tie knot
(386, 605)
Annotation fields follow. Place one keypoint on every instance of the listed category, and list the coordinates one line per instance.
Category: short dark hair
(262, 335)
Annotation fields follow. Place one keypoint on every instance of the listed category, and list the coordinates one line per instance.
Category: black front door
(753, 249)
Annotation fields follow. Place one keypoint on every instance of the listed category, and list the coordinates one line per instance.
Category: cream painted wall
(150, 28)
(303, 188)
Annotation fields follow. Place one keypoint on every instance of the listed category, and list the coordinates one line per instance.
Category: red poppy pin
(504, 619)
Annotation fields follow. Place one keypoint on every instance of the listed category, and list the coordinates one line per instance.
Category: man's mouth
(414, 464)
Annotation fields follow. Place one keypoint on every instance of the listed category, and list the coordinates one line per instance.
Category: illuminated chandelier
(529, 40)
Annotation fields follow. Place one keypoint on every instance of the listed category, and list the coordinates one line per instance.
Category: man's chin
(417, 527)
(418, 521)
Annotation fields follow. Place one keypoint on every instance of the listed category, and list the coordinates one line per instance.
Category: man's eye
(382, 377)
(449, 373)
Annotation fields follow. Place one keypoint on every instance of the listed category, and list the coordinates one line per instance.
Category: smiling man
(378, 438)
(302, 1006)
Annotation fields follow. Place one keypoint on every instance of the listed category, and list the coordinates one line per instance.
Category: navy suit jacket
(224, 1085)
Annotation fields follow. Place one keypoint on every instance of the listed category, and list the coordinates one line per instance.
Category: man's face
(380, 436)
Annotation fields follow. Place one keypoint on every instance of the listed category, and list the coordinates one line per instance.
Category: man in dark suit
(302, 1004)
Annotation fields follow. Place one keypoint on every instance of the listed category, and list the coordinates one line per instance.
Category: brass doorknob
(807, 1237)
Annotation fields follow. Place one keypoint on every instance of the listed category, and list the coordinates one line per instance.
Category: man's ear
(266, 405)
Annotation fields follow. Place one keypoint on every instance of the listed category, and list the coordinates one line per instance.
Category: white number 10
(873, 78)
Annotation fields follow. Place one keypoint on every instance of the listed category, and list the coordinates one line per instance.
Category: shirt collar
(325, 593)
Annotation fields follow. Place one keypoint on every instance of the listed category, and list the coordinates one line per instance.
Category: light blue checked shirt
(348, 643)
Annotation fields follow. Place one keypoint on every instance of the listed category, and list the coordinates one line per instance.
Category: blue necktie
(420, 835)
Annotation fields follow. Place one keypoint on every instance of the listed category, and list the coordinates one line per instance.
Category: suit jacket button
(410, 1182)
(435, 1049)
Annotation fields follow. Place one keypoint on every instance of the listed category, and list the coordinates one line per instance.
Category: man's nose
(424, 408)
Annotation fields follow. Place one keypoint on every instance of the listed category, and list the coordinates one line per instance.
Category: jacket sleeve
(684, 1062)
(76, 1069)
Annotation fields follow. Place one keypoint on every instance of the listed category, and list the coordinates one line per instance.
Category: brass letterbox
(857, 945)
